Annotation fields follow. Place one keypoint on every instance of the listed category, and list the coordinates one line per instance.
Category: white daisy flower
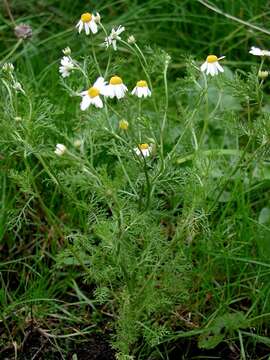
(60, 149)
(114, 36)
(116, 88)
(66, 66)
(258, 52)
(144, 150)
(211, 65)
(141, 89)
(88, 22)
(91, 96)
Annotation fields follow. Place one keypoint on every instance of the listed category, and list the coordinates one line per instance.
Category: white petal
(86, 28)
(219, 67)
(134, 91)
(108, 91)
(97, 102)
(86, 100)
(212, 69)
(93, 26)
(80, 26)
(204, 66)
(100, 84)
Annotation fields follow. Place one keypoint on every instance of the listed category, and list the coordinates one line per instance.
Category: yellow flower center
(123, 124)
(116, 80)
(86, 17)
(211, 58)
(143, 146)
(142, 83)
(93, 92)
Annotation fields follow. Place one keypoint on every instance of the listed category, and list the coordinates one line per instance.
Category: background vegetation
(163, 258)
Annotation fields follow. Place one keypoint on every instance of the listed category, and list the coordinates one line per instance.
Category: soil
(38, 347)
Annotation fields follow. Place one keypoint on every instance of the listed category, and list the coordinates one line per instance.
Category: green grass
(150, 252)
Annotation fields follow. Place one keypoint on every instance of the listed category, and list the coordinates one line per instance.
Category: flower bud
(60, 149)
(8, 67)
(131, 39)
(97, 18)
(123, 125)
(66, 51)
(23, 31)
(263, 74)
(77, 143)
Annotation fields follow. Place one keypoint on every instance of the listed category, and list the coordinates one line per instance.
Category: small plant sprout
(88, 22)
(60, 149)
(123, 124)
(211, 65)
(91, 96)
(141, 89)
(143, 150)
(258, 52)
(116, 88)
(67, 65)
(111, 40)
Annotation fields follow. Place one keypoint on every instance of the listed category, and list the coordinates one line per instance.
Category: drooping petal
(93, 26)
(219, 67)
(86, 100)
(97, 102)
(86, 28)
(204, 66)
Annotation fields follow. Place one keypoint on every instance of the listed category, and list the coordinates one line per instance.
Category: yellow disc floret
(116, 80)
(143, 146)
(86, 17)
(211, 58)
(93, 92)
(142, 83)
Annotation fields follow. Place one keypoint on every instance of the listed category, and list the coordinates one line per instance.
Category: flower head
(114, 36)
(141, 89)
(143, 150)
(116, 88)
(211, 65)
(67, 65)
(123, 124)
(87, 22)
(60, 149)
(23, 31)
(258, 52)
(91, 96)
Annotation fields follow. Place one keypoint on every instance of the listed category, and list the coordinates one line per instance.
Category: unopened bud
(60, 149)
(66, 51)
(77, 143)
(8, 67)
(123, 125)
(97, 18)
(23, 31)
(131, 39)
(263, 74)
